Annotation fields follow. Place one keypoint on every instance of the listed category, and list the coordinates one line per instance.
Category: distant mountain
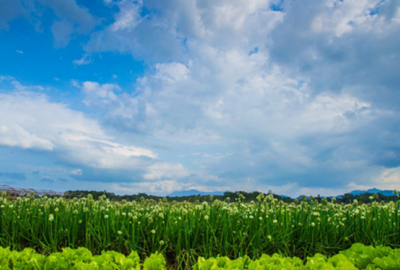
(373, 190)
(359, 192)
(192, 192)
(283, 196)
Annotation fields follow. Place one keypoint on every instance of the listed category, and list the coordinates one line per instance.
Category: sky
(154, 96)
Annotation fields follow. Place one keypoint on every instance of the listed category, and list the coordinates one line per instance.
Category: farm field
(356, 257)
(183, 232)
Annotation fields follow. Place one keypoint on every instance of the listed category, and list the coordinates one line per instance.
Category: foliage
(233, 196)
(354, 258)
(79, 259)
(185, 231)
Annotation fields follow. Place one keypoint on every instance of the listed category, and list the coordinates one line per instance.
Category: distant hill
(192, 192)
(359, 192)
(372, 190)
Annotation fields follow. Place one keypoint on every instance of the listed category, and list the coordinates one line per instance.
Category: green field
(185, 231)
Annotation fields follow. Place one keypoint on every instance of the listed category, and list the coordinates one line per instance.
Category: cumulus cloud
(389, 178)
(294, 94)
(337, 45)
(70, 134)
(165, 170)
(156, 188)
(56, 127)
(143, 29)
(108, 97)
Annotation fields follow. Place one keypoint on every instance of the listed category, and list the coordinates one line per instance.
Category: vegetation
(184, 231)
(233, 196)
(356, 257)
(80, 258)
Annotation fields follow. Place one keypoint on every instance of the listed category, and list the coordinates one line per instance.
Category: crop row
(185, 231)
(354, 258)
(78, 259)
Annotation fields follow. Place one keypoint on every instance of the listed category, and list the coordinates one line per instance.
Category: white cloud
(76, 172)
(154, 188)
(218, 24)
(57, 128)
(389, 178)
(339, 17)
(269, 92)
(128, 17)
(85, 60)
(104, 91)
(15, 135)
(103, 97)
(268, 97)
(165, 170)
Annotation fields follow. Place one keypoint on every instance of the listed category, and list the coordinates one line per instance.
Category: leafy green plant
(185, 231)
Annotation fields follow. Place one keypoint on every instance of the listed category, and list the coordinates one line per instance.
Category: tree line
(230, 196)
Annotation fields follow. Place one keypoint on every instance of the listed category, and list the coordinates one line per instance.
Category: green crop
(185, 231)
(357, 257)
(78, 259)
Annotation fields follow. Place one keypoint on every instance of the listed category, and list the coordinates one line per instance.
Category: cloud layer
(292, 96)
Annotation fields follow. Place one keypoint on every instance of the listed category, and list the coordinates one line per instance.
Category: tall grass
(184, 231)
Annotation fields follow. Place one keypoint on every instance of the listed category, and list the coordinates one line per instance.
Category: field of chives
(183, 232)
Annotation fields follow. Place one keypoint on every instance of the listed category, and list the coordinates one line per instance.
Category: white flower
(206, 217)
(119, 232)
(161, 242)
(153, 231)
(51, 217)
(105, 216)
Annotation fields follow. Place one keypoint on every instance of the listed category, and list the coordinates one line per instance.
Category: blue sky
(297, 97)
